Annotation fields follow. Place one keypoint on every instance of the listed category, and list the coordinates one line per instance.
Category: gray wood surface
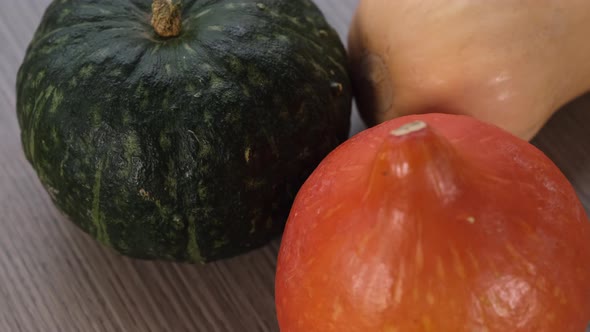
(55, 278)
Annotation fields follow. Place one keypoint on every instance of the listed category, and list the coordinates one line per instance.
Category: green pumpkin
(183, 134)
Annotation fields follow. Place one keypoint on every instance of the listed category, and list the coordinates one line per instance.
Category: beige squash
(510, 63)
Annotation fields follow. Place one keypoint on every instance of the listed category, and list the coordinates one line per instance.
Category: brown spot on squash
(374, 86)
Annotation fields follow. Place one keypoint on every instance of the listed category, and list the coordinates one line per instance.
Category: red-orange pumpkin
(435, 223)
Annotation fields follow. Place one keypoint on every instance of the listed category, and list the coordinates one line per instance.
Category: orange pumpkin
(435, 223)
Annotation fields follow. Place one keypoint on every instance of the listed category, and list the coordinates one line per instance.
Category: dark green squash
(188, 143)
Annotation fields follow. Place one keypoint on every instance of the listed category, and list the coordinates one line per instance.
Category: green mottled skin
(189, 148)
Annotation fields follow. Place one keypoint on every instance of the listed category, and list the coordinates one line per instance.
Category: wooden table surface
(55, 278)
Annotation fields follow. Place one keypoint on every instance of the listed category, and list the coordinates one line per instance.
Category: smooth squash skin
(186, 143)
(509, 63)
(435, 222)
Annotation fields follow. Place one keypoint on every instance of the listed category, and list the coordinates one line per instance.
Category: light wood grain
(55, 278)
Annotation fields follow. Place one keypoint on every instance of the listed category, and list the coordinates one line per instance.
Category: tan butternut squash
(510, 63)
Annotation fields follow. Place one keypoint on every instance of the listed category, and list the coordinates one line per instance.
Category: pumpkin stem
(414, 160)
(166, 18)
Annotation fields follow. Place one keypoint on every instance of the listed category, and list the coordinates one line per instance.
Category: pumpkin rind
(188, 148)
